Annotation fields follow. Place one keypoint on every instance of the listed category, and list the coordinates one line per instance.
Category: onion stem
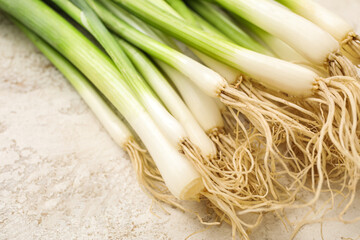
(180, 176)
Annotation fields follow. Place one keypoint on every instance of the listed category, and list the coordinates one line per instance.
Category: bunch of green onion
(230, 99)
(330, 22)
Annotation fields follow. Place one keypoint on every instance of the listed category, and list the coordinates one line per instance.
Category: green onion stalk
(181, 178)
(150, 181)
(278, 47)
(170, 126)
(222, 21)
(230, 32)
(331, 23)
(296, 31)
(230, 74)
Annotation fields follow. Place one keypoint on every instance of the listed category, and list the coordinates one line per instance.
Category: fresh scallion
(330, 22)
(180, 176)
(294, 30)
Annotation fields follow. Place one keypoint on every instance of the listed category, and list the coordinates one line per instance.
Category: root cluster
(272, 150)
(339, 65)
(351, 47)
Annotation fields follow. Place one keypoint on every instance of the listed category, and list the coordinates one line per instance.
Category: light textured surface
(62, 177)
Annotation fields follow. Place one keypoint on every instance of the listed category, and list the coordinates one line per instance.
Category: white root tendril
(279, 129)
(351, 46)
(338, 65)
(335, 146)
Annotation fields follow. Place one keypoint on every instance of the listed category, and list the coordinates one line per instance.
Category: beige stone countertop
(62, 177)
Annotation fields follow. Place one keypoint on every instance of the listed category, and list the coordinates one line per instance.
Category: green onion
(231, 74)
(204, 109)
(330, 22)
(208, 115)
(179, 175)
(281, 49)
(191, 87)
(277, 46)
(322, 17)
(294, 30)
(251, 174)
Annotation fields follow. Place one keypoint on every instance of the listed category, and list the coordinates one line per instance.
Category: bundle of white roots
(272, 148)
(351, 47)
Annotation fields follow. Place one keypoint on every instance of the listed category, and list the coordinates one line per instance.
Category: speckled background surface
(62, 177)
